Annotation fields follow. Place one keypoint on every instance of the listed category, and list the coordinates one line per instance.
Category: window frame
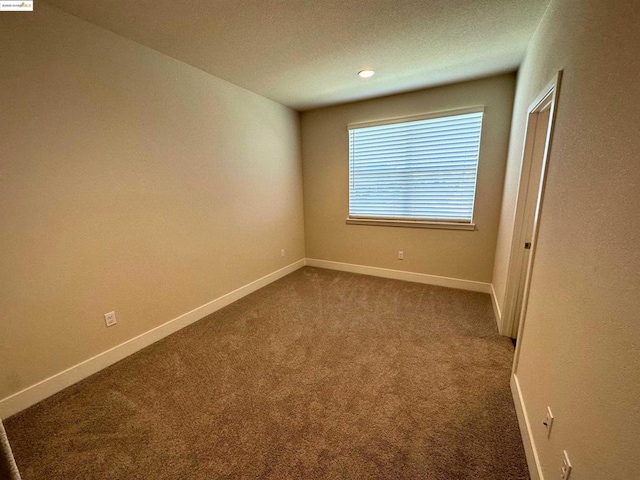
(408, 222)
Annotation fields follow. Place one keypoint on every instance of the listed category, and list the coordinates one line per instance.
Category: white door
(534, 164)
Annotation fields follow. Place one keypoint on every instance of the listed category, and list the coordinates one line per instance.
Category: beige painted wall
(580, 345)
(465, 255)
(130, 182)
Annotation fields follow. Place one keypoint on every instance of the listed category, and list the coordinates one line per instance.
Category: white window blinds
(419, 170)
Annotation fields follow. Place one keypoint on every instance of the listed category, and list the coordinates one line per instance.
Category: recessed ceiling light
(366, 73)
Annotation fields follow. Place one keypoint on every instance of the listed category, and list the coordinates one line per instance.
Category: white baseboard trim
(402, 275)
(533, 461)
(496, 309)
(41, 390)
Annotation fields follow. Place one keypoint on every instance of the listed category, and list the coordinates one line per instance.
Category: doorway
(538, 136)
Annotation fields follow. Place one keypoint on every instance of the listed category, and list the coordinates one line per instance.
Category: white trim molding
(496, 309)
(449, 282)
(533, 460)
(54, 384)
(517, 286)
(410, 223)
(413, 118)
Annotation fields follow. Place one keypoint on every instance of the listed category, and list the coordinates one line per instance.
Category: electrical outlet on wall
(110, 319)
(282, 253)
(566, 466)
(400, 255)
(548, 421)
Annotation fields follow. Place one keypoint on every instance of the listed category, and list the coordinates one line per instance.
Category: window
(415, 172)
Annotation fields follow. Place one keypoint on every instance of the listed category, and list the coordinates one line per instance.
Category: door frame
(512, 320)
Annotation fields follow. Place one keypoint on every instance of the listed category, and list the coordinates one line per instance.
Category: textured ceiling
(306, 53)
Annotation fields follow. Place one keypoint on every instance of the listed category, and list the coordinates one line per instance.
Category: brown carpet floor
(321, 374)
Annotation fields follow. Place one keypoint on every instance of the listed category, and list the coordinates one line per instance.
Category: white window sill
(381, 222)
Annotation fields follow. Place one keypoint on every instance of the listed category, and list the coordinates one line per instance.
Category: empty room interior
(320, 239)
